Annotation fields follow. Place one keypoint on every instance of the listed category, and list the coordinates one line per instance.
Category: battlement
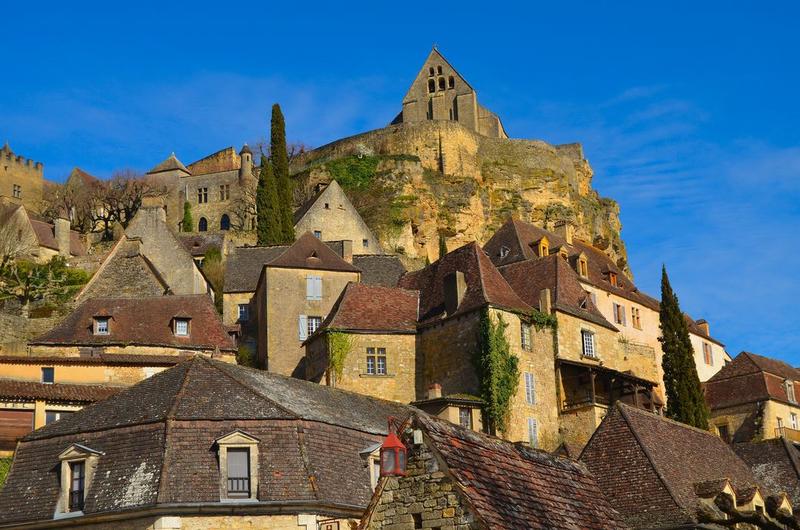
(7, 157)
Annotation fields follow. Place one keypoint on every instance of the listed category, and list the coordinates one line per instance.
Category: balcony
(793, 435)
(589, 385)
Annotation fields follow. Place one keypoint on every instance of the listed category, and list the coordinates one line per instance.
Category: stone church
(439, 92)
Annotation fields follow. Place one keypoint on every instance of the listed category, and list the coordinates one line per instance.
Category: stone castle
(21, 179)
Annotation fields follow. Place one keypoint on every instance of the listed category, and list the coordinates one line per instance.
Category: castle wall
(218, 204)
(21, 180)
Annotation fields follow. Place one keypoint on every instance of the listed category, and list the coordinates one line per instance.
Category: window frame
(243, 309)
(708, 354)
(313, 323)
(73, 456)
(584, 350)
(313, 287)
(374, 356)
(235, 440)
(533, 432)
(636, 317)
(788, 386)
(202, 195)
(465, 412)
(52, 371)
(530, 388)
(106, 322)
(525, 336)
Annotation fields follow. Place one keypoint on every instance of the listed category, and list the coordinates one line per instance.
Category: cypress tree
(279, 158)
(268, 222)
(187, 223)
(685, 401)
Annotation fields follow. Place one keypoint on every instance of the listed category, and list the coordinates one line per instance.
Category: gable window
(441, 83)
(78, 464)
(431, 86)
(17, 191)
(318, 234)
(182, 327)
(313, 287)
(365, 243)
(636, 318)
(48, 374)
(612, 278)
(789, 385)
(543, 247)
(708, 355)
(504, 251)
(530, 389)
(101, 326)
(619, 314)
(583, 266)
(724, 433)
(525, 336)
(465, 417)
(224, 192)
(244, 312)
(451, 82)
(202, 195)
(431, 71)
(238, 464)
(533, 432)
(587, 338)
(376, 361)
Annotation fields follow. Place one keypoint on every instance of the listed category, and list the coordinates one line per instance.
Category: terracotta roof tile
(372, 308)
(308, 252)
(776, 464)
(748, 378)
(11, 389)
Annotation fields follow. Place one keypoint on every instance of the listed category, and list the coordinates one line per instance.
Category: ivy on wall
(497, 369)
(339, 346)
(541, 320)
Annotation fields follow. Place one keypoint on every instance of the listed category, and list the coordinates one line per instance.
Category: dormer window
(181, 327)
(77, 484)
(504, 251)
(789, 385)
(238, 464)
(101, 326)
(612, 278)
(78, 464)
(543, 247)
(583, 266)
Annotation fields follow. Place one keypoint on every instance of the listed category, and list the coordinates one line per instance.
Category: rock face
(418, 183)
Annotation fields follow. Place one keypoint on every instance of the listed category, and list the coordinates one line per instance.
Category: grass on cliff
(5, 467)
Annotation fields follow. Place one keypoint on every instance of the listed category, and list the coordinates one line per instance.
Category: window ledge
(67, 515)
(239, 501)
(379, 376)
(595, 358)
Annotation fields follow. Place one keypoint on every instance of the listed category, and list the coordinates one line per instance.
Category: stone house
(439, 92)
(31, 237)
(634, 313)
(662, 474)
(205, 444)
(371, 333)
(460, 479)
(330, 216)
(754, 398)
(220, 189)
(21, 179)
(295, 292)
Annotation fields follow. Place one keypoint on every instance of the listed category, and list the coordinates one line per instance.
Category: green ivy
(541, 320)
(5, 467)
(353, 172)
(339, 346)
(498, 371)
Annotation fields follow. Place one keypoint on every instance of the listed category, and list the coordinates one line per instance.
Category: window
(224, 192)
(181, 327)
(244, 312)
(327, 206)
(318, 234)
(530, 389)
(54, 415)
(636, 318)
(224, 222)
(619, 314)
(431, 86)
(533, 432)
(451, 82)
(789, 384)
(583, 267)
(612, 278)
(504, 251)
(365, 243)
(48, 374)
(588, 343)
(724, 433)
(465, 417)
(525, 336)
(313, 324)
(441, 83)
(101, 326)
(17, 191)
(202, 225)
(77, 479)
(708, 355)
(793, 420)
(376, 361)
(238, 472)
(439, 69)
(313, 287)
(431, 71)
(202, 195)
(544, 247)
(780, 423)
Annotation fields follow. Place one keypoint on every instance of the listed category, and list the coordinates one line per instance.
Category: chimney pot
(434, 391)
(565, 229)
(703, 325)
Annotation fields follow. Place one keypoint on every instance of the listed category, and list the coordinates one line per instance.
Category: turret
(246, 167)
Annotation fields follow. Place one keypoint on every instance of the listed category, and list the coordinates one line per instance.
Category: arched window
(225, 222)
(202, 225)
(431, 85)
(451, 83)
(430, 71)
(441, 83)
(439, 69)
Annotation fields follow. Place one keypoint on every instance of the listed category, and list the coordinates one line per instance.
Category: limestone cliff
(415, 183)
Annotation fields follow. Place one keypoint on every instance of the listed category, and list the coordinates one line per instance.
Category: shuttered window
(313, 288)
(302, 327)
(530, 388)
(533, 432)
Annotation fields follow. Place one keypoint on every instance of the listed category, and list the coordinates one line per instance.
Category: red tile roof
(485, 285)
(308, 252)
(373, 308)
(103, 358)
(749, 378)
(29, 390)
(45, 234)
(143, 322)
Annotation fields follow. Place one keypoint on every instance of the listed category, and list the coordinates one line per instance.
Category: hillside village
(452, 338)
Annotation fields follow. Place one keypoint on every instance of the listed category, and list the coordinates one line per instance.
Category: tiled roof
(308, 252)
(372, 308)
(379, 269)
(775, 463)
(199, 244)
(102, 358)
(748, 378)
(648, 466)
(46, 235)
(244, 265)
(485, 285)
(142, 322)
(514, 486)
(171, 163)
(309, 437)
(11, 389)
(529, 278)
(81, 176)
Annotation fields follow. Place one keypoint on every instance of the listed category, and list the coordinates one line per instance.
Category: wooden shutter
(302, 327)
(14, 424)
(623, 315)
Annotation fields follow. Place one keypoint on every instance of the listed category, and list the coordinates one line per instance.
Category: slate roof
(12, 389)
(244, 265)
(379, 269)
(158, 439)
(485, 284)
(142, 322)
(198, 244)
(649, 466)
(749, 378)
(775, 463)
(171, 163)
(514, 486)
(373, 308)
(529, 278)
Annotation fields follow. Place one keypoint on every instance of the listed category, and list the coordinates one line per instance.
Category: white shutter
(624, 315)
(318, 288)
(309, 287)
(533, 432)
(530, 388)
(302, 327)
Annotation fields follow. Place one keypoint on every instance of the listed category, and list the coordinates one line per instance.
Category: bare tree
(117, 200)
(16, 238)
(243, 205)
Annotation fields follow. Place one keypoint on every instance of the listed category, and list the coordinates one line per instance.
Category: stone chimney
(455, 286)
(434, 391)
(703, 325)
(152, 209)
(545, 305)
(347, 250)
(61, 232)
(565, 229)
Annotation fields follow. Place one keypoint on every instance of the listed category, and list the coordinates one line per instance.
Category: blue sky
(687, 110)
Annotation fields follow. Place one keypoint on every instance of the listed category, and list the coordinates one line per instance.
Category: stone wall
(19, 171)
(16, 331)
(425, 498)
(745, 422)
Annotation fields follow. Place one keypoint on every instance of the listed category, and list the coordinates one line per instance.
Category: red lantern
(393, 456)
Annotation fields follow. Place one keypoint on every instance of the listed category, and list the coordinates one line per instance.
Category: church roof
(170, 164)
